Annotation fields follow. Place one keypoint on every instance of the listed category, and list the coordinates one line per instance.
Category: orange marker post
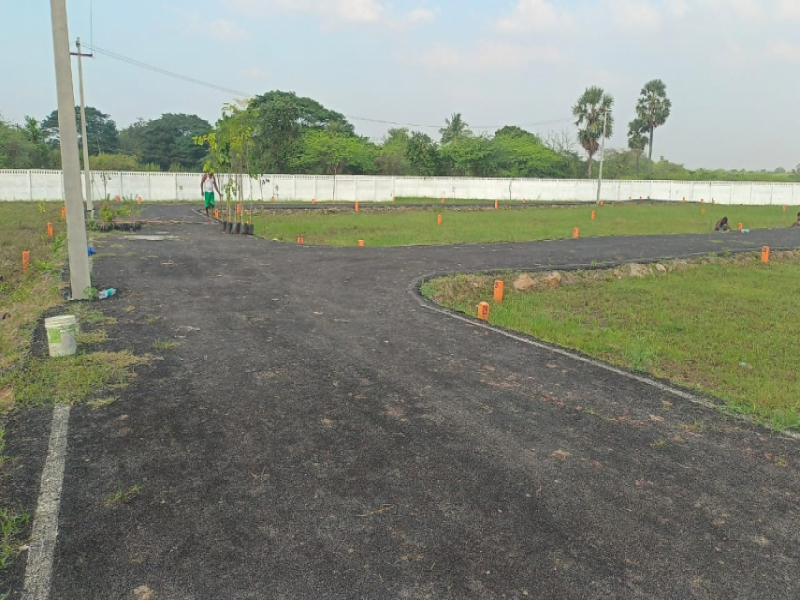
(601, 202)
(741, 226)
(139, 199)
(300, 241)
(439, 219)
(483, 311)
(26, 261)
(117, 199)
(784, 208)
(683, 201)
(575, 233)
(63, 212)
(495, 204)
(356, 206)
(593, 215)
(313, 201)
(765, 255)
(393, 198)
(360, 243)
(442, 200)
(499, 287)
(49, 230)
(704, 211)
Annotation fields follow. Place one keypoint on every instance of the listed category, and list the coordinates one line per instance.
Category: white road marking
(39, 570)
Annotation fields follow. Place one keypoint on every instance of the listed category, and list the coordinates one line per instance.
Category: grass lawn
(512, 223)
(731, 330)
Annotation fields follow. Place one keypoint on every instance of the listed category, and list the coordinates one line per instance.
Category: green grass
(11, 525)
(72, 379)
(122, 495)
(731, 330)
(165, 345)
(510, 224)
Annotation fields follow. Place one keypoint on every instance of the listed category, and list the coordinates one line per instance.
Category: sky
(730, 66)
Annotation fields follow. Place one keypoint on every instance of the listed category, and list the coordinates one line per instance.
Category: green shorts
(209, 199)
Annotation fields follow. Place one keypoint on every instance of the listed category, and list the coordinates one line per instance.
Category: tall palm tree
(637, 140)
(653, 108)
(455, 127)
(589, 111)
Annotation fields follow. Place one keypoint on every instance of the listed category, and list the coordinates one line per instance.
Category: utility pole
(87, 174)
(602, 153)
(80, 280)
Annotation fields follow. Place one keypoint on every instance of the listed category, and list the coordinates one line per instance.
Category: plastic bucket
(61, 334)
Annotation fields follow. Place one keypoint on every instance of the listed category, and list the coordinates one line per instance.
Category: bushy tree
(331, 152)
(637, 140)
(391, 158)
(455, 128)
(422, 154)
(100, 129)
(169, 140)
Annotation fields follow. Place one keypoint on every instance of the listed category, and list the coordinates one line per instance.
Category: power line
(242, 95)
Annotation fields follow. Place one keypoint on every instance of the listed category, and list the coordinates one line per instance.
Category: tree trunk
(590, 167)
(650, 149)
(637, 164)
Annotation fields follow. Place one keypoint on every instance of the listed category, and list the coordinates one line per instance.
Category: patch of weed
(100, 403)
(10, 526)
(71, 379)
(121, 495)
(165, 345)
(98, 336)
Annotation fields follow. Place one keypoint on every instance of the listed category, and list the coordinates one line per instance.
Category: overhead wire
(240, 94)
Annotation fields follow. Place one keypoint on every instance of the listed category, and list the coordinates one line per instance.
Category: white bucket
(61, 334)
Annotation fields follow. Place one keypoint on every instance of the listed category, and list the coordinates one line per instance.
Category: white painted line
(39, 570)
(589, 361)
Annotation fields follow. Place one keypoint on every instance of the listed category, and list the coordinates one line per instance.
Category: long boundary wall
(48, 185)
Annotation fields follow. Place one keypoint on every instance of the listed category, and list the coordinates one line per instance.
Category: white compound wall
(48, 185)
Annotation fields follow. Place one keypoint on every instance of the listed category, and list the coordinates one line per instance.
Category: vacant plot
(728, 329)
(512, 223)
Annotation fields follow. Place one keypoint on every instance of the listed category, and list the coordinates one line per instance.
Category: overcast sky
(730, 66)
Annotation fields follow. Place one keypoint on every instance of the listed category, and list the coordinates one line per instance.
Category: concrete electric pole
(80, 280)
(602, 154)
(87, 174)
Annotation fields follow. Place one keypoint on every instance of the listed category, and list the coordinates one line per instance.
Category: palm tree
(653, 108)
(455, 127)
(589, 111)
(637, 140)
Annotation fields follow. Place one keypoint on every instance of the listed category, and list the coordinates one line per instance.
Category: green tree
(100, 129)
(331, 152)
(392, 157)
(519, 153)
(455, 128)
(130, 137)
(469, 156)
(169, 140)
(22, 147)
(589, 111)
(283, 120)
(637, 140)
(422, 154)
(653, 108)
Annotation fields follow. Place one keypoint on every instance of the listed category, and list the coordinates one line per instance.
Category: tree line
(280, 132)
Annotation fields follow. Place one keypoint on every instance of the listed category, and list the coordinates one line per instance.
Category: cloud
(636, 15)
(785, 51)
(535, 15)
(486, 55)
(335, 11)
(788, 9)
(223, 30)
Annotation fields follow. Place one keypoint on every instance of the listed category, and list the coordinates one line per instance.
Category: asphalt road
(320, 434)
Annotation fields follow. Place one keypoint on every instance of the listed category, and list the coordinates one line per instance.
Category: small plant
(165, 345)
(10, 526)
(91, 293)
(123, 496)
(659, 443)
(107, 212)
(95, 404)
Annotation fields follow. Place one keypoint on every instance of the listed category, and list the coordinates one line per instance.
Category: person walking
(207, 185)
